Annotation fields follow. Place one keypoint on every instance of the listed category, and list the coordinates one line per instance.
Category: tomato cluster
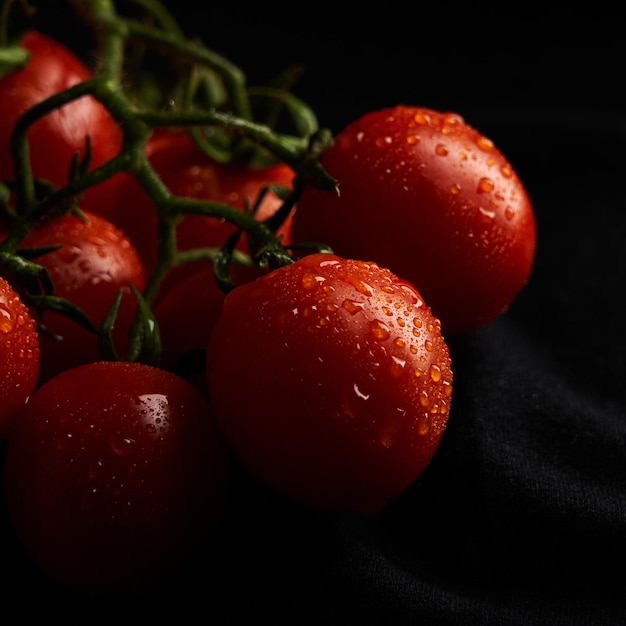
(183, 312)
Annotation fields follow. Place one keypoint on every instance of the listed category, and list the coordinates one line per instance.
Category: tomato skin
(348, 382)
(189, 173)
(428, 196)
(95, 261)
(19, 355)
(116, 477)
(186, 316)
(187, 313)
(58, 136)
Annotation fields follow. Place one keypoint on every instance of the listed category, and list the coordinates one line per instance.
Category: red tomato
(190, 173)
(115, 477)
(94, 262)
(19, 355)
(57, 137)
(186, 316)
(426, 195)
(331, 381)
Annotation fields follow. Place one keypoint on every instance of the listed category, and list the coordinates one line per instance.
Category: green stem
(162, 15)
(233, 77)
(287, 149)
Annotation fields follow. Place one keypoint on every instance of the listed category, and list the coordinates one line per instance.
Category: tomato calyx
(145, 340)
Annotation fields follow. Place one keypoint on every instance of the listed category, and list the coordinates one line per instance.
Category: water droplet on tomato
(362, 287)
(68, 254)
(359, 393)
(455, 189)
(412, 140)
(397, 366)
(6, 320)
(100, 278)
(453, 119)
(509, 213)
(441, 150)
(352, 306)
(379, 330)
(484, 143)
(155, 409)
(506, 171)
(311, 281)
(98, 241)
(410, 293)
(485, 185)
(422, 118)
(435, 373)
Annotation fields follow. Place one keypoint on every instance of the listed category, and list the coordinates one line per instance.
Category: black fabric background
(521, 517)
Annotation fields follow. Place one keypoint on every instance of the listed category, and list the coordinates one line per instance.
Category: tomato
(94, 262)
(58, 136)
(428, 196)
(190, 173)
(331, 381)
(19, 355)
(116, 477)
(186, 316)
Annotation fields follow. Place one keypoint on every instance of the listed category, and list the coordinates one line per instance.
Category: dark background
(521, 517)
(463, 58)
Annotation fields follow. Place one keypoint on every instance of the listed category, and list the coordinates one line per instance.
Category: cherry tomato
(426, 195)
(95, 260)
(57, 137)
(116, 477)
(186, 316)
(190, 173)
(331, 381)
(19, 355)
